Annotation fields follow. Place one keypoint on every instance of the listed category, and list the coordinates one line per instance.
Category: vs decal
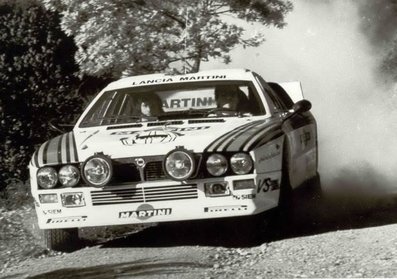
(267, 184)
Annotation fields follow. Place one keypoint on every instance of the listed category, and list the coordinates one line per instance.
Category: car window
(278, 104)
(174, 101)
(282, 94)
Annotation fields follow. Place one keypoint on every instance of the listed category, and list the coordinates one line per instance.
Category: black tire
(63, 240)
(310, 197)
(286, 202)
(315, 188)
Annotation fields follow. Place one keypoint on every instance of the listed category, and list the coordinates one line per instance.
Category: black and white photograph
(198, 139)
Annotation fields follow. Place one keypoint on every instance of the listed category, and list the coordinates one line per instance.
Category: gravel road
(339, 237)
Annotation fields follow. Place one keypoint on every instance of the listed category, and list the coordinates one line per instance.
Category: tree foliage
(36, 72)
(136, 36)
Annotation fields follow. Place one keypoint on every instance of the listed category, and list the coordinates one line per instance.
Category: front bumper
(157, 201)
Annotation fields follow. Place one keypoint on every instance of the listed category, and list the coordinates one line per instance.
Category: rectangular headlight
(243, 184)
(73, 199)
(216, 189)
(48, 198)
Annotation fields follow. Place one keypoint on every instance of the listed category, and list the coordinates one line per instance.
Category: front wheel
(63, 240)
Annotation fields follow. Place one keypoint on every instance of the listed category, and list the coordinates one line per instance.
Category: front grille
(154, 171)
(125, 173)
(141, 195)
(117, 196)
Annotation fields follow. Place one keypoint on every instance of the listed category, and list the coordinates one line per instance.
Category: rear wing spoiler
(294, 90)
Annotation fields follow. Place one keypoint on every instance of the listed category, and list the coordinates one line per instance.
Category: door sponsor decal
(304, 139)
(144, 212)
(273, 153)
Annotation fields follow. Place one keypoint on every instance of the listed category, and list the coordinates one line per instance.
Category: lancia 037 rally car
(160, 148)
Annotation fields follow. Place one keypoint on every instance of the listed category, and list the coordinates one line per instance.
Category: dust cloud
(325, 46)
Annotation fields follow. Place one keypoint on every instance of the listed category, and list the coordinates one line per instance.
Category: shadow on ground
(330, 213)
(143, 268)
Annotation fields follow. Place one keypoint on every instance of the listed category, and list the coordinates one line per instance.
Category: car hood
(152, 139)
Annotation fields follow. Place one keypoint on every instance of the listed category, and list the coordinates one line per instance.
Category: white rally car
(195, 156)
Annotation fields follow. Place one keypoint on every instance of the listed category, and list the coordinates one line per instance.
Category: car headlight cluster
(67, 176)
(47, 177)
(179, 164)
(217, 164)
(240, 163)
(96, 171)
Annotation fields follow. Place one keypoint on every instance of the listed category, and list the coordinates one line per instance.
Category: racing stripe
(74, 147)
(63, 149)
(68, 148)
(263, 138)
(59, 151)
(213, 146)
(71, 147)
(240, 142)
(51, 154)
(222, 146)
(45, 150)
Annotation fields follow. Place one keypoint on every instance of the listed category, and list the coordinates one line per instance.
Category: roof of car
(218, 74)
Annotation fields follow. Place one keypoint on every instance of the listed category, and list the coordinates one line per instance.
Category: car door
(301, 135)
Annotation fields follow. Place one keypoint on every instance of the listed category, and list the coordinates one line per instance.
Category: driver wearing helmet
(231, 98)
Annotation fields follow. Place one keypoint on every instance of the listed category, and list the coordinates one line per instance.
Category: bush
(38, 82)
(15, 195)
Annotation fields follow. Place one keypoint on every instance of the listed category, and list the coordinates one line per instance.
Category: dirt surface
(337, 237)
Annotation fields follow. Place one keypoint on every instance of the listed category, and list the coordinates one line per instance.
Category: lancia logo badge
(140, 162)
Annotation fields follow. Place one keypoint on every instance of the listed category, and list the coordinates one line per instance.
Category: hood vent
(124, 126)
(162, 123)
(195, 121)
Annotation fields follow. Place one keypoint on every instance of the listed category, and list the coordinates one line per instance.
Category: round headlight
(179, 165)
(97, 170)
(216, 164)
(47, 177)
(241, 163)
(69, 176)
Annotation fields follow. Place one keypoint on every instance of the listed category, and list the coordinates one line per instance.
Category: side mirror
(299, 107)
(302, 106)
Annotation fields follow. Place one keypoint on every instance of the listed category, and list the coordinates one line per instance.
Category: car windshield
(174, 101)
